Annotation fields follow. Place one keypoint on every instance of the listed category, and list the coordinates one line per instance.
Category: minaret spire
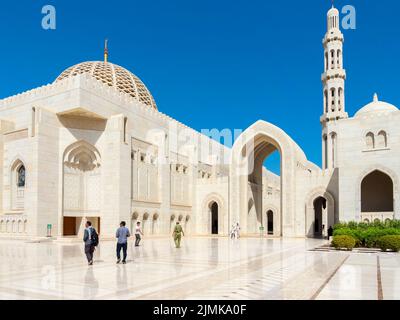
(106, 51)
(333, 81)
(334, 76)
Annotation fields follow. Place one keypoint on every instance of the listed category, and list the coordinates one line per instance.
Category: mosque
(93, 145)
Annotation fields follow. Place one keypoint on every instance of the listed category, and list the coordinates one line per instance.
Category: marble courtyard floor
(204, 268)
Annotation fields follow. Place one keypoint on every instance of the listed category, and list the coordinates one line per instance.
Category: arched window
(340, 94)
(18, 183)
(21, 177)
(339, 52)
(326, 61)
(326, 101)
(334, 148)
(332, 59)
(333, 99)
(370, 140)
(381, 141)
(325, 151)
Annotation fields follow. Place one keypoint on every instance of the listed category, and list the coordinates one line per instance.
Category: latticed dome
(114, 76)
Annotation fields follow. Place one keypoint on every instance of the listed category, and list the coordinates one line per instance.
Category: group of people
(91, 239)
(235, 231)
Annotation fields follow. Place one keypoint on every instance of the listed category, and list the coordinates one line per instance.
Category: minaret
(333, 80)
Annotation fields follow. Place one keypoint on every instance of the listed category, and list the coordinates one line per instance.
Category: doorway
(319, 208)
(270, 222)
(214, 218)
(69, 226)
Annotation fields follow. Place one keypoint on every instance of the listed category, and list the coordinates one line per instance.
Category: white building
(93, 145)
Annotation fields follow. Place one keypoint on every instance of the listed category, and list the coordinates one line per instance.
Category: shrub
(351, 233)
(367, 234)
(339, 226)
(344, 242)
(353, 225)
(373, 234)
(389, 243)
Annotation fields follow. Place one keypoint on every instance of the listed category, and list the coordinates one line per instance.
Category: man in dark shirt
(89, 245)
(122, 235)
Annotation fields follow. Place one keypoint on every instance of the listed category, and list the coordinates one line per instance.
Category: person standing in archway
(177, 234)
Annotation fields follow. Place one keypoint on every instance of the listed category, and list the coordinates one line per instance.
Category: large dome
(376, 107)
(114, 76)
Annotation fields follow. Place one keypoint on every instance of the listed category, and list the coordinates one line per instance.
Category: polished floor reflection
(204, 268)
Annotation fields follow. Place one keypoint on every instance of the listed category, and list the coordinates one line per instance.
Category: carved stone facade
(94, 146)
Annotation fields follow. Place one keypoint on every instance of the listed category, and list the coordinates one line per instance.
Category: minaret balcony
(334, 36)
(333, 73)
(333, 116)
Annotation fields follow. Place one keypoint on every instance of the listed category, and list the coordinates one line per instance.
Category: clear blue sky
(211, 63)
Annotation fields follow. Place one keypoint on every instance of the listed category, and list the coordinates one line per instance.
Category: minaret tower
(333, 80)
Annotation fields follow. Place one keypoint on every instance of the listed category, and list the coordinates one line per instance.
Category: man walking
(138, 234)
(122, 235)
(178, 233)
(91, 240)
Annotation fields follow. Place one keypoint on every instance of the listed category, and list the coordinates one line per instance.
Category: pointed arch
(81, 190)
(377, 192)
(329, 216)
(370, 141)
(18, 180)
(247, 157)
(213, 210)
(82, 154)
(381, 140)
(390, 173)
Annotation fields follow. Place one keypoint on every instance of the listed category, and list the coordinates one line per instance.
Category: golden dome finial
(106, 51)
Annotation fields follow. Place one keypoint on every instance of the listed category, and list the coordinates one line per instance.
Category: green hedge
(367, 235)
(343, 242)
(386, 243)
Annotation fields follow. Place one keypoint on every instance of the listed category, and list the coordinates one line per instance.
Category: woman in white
(233, 232)
(237, 231)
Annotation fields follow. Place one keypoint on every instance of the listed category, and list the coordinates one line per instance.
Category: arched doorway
(249, 152)
(320, 215)
(81, 192)
(214, 217)
(376, 193)
(270, 222)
